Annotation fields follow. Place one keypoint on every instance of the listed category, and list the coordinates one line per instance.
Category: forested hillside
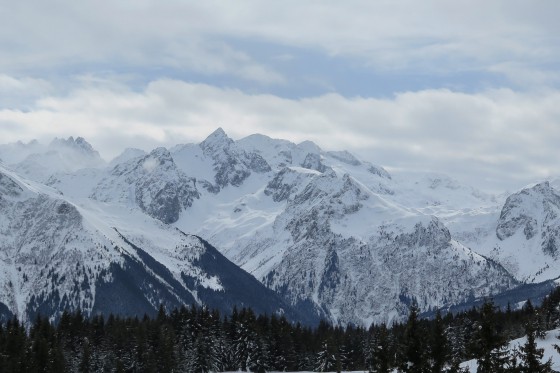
(200, 340)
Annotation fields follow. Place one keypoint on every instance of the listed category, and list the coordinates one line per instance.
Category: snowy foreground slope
(547, 344)
(330, 234)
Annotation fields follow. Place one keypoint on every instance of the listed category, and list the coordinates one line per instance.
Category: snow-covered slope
(126, 155)
(324, 229)
(59, 157)
(355, 255)
(16, 152)
(523, 234)
(327, 229)
(547, 344)
(152, 182)
(60, 253)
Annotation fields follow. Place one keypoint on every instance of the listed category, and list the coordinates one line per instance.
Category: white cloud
(213, 58)
(431, 36)
(495, 139)
(19, 92)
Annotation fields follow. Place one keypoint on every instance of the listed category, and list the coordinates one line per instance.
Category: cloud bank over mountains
(466, 88)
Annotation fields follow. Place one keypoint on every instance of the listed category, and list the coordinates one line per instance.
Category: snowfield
(330, 233)
(547, 344)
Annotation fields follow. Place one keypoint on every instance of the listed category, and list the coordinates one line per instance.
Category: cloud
(496, 139)
(20, 92)
(212, 37)
(211, 58)
(159, 38)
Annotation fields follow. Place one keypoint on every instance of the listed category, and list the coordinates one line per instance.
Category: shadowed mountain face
(323, 232)
(58, 256)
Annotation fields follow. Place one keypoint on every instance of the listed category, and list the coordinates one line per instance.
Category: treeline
(199, 340)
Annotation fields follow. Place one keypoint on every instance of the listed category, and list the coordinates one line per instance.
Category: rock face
(532, 211)
(327, 248)
(58, 256)
(528, 233)
(231, 164)
(313, 162)
(330, 234)
(153, 182)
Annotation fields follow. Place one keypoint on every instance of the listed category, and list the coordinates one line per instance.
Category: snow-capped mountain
(325, 237)
(58, 254)
(329, 233)
(152, 182)
(523, 235)
(16, 152)
(60, 156)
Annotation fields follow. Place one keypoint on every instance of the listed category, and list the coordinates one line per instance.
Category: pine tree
(439, 349)
(413, 358)
(86, 358)
(199, 356)
(531, 356)
(540, 330)
(458, 337)
(219, 346)
(241, 346)
(377, 351)
(343, 358)
(489, 345)
(325, 359)
(256, 358)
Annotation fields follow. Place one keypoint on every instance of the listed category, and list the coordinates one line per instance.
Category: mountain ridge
(331, 234)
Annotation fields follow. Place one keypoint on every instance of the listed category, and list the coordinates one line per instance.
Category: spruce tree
(488, 344)
(199, 356)
(219, 347)
(325, 360)
(343, 358)
(531, 356)
(413, 358)
(86, 358)
(377, 354)
(257, 358)
(439, 349)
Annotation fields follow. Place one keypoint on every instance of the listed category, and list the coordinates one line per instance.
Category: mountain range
(281, 227)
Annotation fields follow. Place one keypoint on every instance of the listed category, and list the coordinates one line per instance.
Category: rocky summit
(281, 227)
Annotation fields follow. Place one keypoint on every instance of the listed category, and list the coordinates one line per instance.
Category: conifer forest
(194, 339)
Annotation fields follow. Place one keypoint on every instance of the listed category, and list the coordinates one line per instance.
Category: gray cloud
(97, 69)
(496, 139)
(514, 38)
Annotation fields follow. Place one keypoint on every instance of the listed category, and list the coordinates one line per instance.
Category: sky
(466, 88)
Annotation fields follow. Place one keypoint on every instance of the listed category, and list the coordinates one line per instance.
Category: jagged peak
(160, 154)
(542, 187)
(78, 143)
(523, 210)
(83, 143)
(149, 162)
(219, 132)
(216, 139)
